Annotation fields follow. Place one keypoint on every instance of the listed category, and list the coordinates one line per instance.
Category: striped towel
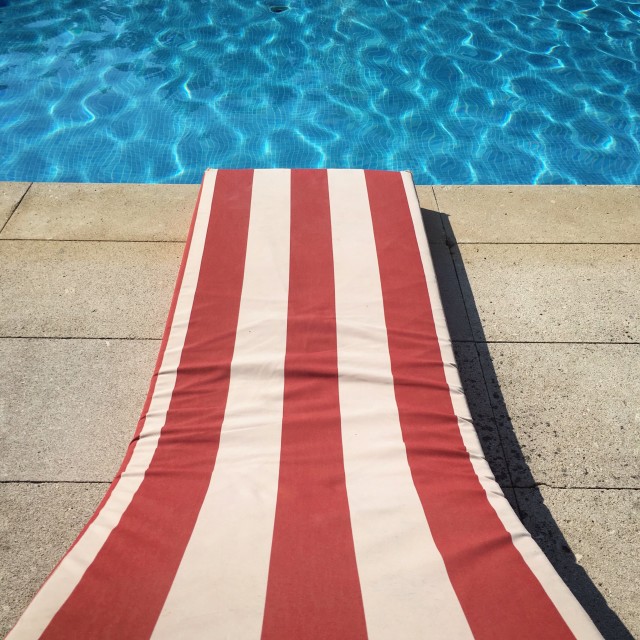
(305, 465)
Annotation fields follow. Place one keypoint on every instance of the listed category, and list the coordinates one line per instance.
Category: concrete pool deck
(542, 293)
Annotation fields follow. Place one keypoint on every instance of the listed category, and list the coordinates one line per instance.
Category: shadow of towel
(488, 409)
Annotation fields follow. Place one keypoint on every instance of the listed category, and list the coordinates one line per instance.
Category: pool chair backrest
(305, 465)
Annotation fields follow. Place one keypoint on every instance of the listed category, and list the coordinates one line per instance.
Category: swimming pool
(464, 91)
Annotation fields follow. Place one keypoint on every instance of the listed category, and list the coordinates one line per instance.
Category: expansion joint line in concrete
(572, 488)
(94, 241)
(102, 338)
(55, 482)
(565, 244)
(576, 342)
(16, 207)
(435, 197)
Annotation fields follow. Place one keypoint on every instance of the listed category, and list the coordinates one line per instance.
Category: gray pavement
(540, 286)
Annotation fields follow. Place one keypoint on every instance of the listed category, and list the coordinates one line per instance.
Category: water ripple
(477, 91)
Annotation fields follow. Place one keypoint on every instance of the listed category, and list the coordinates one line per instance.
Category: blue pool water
(457, 91)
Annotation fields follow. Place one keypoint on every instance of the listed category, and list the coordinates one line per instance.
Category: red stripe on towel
(497, 591)
(132, 574)
(313, 589)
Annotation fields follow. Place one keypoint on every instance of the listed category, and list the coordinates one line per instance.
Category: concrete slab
(103, 289)
(592, 537)
(38, 523)
(569, 414)
(475, 389)
(86, 289)
(68, 211)
(564, 293)
(70, 407)
(542, 213)
(10, 195)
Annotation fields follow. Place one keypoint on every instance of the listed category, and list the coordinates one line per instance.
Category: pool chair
(305, 466)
